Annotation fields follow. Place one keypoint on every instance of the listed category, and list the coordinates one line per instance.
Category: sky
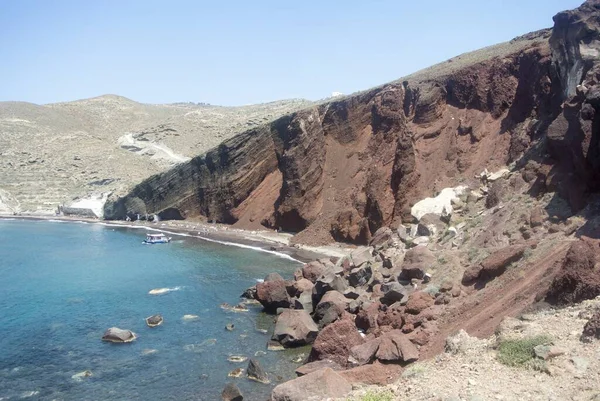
(241, 52)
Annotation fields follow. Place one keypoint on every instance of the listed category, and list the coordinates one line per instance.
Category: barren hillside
(53, 153)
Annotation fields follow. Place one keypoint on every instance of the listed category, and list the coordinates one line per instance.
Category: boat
(157, 239)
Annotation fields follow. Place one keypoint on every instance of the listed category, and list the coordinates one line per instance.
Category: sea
(62, 284)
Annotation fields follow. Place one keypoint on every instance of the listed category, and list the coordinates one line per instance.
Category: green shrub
(520, 352)
(377, 396)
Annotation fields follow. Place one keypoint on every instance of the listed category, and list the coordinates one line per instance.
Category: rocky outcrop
(116, 335)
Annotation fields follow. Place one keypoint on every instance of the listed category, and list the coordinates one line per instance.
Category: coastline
(261, 241)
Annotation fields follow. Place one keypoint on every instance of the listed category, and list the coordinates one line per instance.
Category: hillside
(51, 154)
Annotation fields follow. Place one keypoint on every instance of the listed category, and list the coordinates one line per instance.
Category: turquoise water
(63, 284)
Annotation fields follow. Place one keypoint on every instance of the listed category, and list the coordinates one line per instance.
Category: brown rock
(416, 263)
(494, 265)
(591, 329)
(231, 392)
(381, 236)
(578, 277)
(273, 295)
(317, 365)
(536, 217)
(364, 353)
(335, 341)
(396, 347)
(366, 319)
(313, 270)
(391, 317)
(418, 302)
(295, 327)
(303, 285)
(330, 308)
(319, 385)
(375, 374)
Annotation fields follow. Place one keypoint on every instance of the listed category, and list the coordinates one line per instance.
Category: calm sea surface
(63, 284)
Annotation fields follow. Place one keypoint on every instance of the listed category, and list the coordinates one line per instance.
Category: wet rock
(231, 392)
(116, 335)
(237, 358)
(229, 326)
(364, 353)
(330, 308)
(394, 292)
(82, 375)
(418, 302)
(250, 293)
(274, 346)
(360, 276)
(416, 262)
(396, 347)
(295, 328)
(317, 365)
(255, 372)
(335, 341)
(319, 385)
(154, 320)
(273, 295)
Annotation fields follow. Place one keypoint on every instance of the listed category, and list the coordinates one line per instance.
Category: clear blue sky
(241, 52)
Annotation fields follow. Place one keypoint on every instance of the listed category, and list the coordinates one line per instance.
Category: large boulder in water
(154, 320)
(295, 328)
(116, 335)
(273, 295)
(256, 372)
(231, 392)
(320, 385)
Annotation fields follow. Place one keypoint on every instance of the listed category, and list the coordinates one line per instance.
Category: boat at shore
(156, 239)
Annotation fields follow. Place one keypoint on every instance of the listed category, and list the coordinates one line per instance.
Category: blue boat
(156, 239)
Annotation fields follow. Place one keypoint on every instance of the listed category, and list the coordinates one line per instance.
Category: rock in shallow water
(154, 320)
(116, 335)
(256, 372)
(231, 392)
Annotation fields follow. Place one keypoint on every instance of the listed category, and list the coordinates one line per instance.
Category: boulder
(303, 285)
(250, 293)
(317, 365)
(273, 277)
(366, 319)
(418, 302)
(116, 335)
(394, 292)
(330, 308)
(326, 283)
(231, 392)
(273, 295)
(256, 372)
(537, 217)
(304, 301)
(361, 255)
(392, 317)
(319, 385)
(313, 270)
(364, 353)
(295, 328)
(360, 276)
(381, 236)
(591, 330)
(375, 374)
(335, 341)
(495, 264)
(396, 347)
(416, 262)
(154, 320)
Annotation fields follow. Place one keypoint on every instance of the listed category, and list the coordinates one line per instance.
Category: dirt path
(480, 314)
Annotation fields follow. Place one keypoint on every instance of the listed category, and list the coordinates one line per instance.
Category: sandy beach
(264, 240)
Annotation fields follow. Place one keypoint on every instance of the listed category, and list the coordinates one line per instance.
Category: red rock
(391, 317)
(364, 353)
(366, 319)
(376, 374)
(416, 263)
(321, 384)
(317, 365)
(273, 295)
(495, 264)
(313, 270)
(396, 347)
(335, 341)
(418, 302)
(303, 285)
(295, 327)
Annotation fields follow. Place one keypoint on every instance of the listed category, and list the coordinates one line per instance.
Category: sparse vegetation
(377, 396)
(520, 353)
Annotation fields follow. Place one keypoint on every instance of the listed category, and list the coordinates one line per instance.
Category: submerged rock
(190, 317)
(237, 358)
(116, 335)
(154, 320)
(231, 392)
(82, 375)
(256, 372)
(236, 372)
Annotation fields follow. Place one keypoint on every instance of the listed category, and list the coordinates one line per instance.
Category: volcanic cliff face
(341, 170)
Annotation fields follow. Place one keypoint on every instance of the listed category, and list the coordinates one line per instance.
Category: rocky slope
(51, 154)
